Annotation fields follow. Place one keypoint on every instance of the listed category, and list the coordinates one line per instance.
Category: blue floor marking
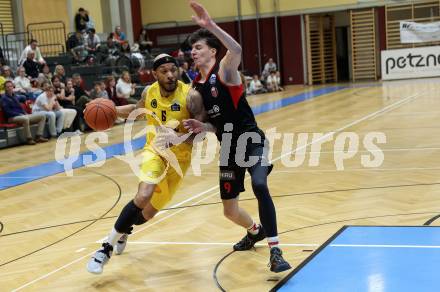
(28, 174)
(373, 268)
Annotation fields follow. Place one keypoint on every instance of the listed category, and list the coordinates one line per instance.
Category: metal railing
(15, 43)
(51, 36)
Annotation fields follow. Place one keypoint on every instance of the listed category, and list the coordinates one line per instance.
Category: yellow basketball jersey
(170, 112)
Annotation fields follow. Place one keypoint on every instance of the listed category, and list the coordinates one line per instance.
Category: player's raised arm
(231, 61)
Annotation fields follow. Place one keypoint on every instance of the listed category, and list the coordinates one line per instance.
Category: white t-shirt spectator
(271, 79)
(255, 86)
(124, 89)
(269, 67)
(93, 44)
(40, 102)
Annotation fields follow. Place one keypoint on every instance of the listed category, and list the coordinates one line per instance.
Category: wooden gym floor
(51, 225)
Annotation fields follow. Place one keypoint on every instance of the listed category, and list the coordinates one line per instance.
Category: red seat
(4, 123)
(27, 106)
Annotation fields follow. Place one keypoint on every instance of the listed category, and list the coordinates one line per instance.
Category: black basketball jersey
(226, 104)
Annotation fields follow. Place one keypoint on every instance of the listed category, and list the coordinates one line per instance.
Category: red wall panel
(249, 46)
(267, 38)
(136, 18)
(291, 50)
(289, 27)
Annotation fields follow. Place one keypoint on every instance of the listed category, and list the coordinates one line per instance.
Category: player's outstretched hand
(193, 126)
(202, 17)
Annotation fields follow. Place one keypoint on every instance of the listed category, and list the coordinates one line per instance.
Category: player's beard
(169, 87)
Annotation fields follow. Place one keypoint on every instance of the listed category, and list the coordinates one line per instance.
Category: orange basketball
(100, 114)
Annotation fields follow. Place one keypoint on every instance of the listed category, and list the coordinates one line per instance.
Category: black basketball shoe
(248, 242)
(277, 263)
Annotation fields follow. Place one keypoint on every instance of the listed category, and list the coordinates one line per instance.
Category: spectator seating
(13, 134)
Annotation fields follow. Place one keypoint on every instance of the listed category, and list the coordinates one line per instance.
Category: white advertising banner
(412, 32)
(411, 63)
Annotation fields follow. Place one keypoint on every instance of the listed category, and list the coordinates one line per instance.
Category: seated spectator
(97, 92)
(31, 67)
(69, 113)
(76, 46)
(7, 73)
(119, 35)
(92, 41)
(278, 78)
(111, 92)
(33, 46)
(47, 104)
(2, 84)
(82, 96)
(69, 94)
(192, 72)
(14, 113)
(255, 86)
(268, 67)
(125, 48)
(81, 19)
(67, 101)
(60, 73)
(272, 82)
(125, 89)
(180, 57)
(183, 73)
(23, 85)
(45, 75)
(144, 42)
(103, 86)
(109, 52)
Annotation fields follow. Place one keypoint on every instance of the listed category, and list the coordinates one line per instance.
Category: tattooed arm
(197, 123)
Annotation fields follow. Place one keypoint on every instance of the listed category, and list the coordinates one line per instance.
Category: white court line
(384, 245)
(391, 108)
(80, 250)
(89, 254)
(374, 114)
(51, 273)
(369, 116)
(215, 243)
(173, 206)
(300, 170)
(309, 152)
(380, 150)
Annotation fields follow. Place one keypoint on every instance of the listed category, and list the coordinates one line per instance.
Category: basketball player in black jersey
(232, 120)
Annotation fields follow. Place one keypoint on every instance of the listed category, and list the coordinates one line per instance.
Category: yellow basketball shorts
(154, 170)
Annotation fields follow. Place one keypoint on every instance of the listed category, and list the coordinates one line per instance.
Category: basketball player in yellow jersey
(168, 102)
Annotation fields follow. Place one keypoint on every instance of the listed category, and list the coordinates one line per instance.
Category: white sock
(273, 241)
(113, 237)
(254, 228)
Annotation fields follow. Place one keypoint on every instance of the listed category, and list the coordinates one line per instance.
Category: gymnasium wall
(178, 10)
(289, 26)
(45, 10)
(57, 10)
(288, 5)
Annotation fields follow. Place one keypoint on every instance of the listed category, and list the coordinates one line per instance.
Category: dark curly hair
(203, 34)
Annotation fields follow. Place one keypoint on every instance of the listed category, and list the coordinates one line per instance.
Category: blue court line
(28, 174)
